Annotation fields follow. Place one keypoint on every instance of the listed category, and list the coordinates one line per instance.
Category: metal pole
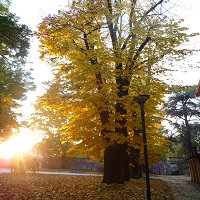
(145, 151)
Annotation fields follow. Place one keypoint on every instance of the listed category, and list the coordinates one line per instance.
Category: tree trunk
(115, 164)
(135, 168)
(121, 111)
(187, 134)
(116, 159)
(63, 161)
(126, 170)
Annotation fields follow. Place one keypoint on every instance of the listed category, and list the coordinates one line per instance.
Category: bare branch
(130, 25)
(141, 47)
(86, 41)
(151, 9)
(126, 41)
(111, 26)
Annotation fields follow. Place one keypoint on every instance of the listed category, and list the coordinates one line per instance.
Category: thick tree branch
(145, 61)
(130, 25)
(126, 41)
(111, 26)
(131, 16)
(141, 48)
(154, 7)
(151, 9)
(86, 42)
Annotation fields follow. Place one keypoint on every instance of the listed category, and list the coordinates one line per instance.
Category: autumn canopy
(103, 54)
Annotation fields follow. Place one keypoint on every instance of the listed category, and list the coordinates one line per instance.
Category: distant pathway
(4, 170)
(7, 170)
(181, 186)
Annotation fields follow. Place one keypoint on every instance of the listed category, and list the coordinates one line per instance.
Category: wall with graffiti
(83, 164)
(72, 164)
(173, 166)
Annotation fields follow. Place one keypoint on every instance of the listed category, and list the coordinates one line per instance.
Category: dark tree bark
(135, 168)
(116, 158)
(187, 133)
(63, 161)
(112, 165)
(114, 162)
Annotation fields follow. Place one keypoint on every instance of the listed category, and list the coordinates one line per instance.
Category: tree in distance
(184, 110)
(15, 78)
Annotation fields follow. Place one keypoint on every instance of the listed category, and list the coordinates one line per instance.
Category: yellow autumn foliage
(93, 51)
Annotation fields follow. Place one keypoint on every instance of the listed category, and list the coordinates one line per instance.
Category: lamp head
(142, 98)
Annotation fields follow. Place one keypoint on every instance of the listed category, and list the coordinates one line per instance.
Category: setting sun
(18, 143)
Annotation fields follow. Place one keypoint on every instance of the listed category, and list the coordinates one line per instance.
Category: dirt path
(182, 187)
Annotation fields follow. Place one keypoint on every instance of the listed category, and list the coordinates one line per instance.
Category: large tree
(104, 53)
(15, 79)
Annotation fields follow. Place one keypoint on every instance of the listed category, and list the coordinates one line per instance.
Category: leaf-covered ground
(45, 186)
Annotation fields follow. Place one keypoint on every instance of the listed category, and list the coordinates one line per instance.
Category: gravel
(181, 186)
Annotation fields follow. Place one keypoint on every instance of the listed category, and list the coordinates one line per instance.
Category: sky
(31, 13)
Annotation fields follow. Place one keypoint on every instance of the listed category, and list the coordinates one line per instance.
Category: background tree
(184, 108)
(15, 79)
(104, 53)
(49, 123)
(195, 132)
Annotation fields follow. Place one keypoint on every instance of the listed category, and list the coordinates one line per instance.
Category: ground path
(181, 186)
(7, 170)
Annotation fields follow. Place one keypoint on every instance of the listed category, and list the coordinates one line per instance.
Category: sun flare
(18, 143)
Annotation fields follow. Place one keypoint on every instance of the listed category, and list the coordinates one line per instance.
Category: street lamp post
(141, 99)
